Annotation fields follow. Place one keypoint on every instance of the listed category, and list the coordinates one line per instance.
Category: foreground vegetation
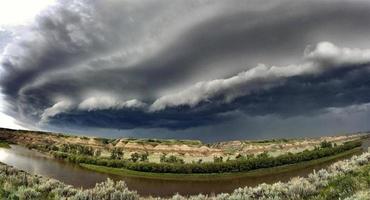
(348, 179)
(242, 164)
(4, 144)
(19, 185)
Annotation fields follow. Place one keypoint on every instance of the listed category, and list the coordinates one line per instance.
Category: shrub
(144, 157)
(117, 153)
(326, 144)
(135, 157)
(217, 159)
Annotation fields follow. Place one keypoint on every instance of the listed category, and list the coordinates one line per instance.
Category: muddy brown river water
(37, 163)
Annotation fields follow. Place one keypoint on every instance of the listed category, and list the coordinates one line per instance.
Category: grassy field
(220, 176)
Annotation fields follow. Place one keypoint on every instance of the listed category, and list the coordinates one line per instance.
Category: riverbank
(342, 180)
(241, 165)
(220, 176)
(71, 174)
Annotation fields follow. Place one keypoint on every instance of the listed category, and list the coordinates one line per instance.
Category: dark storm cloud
(305, 95)
(237, 40)
(172, 64)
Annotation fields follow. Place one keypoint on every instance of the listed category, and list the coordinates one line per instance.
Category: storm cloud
(186, 65)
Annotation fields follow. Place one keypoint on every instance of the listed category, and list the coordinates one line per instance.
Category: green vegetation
(220, 176)
(74, 149)
(4, 144)
(217, 159)
(134, 157)
(267, 141)
(84, 138)
(171, 159)
(345, 180)
(346, 185)
(117, 154)
(104, 140)
(243, 164)
(19, 185)
(142, 157)
(61, 135)
(348, 179)
(326, 144)
(77, 149)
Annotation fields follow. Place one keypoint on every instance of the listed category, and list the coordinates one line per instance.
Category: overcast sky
(199, 69)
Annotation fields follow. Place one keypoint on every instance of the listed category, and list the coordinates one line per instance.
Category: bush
(134, 157)
(117, 153)
(171, 159)
(325, 144)
(217, 159)
(144, 157)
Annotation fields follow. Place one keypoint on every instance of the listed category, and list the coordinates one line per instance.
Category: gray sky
(199, 69)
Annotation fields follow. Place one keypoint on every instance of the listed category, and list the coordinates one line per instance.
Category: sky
(191, 69)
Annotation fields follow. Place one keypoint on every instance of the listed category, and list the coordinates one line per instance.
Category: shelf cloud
(183, 66)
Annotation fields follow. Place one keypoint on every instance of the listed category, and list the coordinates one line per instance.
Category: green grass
(219, 176)
(4, 144)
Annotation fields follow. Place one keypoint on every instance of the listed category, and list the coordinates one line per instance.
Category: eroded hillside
(188, 150)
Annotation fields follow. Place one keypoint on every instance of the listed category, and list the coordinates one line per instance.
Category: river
(37, 163)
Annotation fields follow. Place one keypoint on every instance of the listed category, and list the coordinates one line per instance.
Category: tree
(117, 153)
(97, 152)
(217, 159)
(163, 158)
(171, 159)
(326, 144)
(239, 156)
(135, 157)
(263, 155)
(144, 157)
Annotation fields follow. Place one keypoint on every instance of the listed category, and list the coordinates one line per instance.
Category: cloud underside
(185, 64)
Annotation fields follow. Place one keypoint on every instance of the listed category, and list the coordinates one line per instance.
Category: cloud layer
(178, 65)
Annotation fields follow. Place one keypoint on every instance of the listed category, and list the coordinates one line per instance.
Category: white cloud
(326, 55)
(100, 102)
(5, 120)
(59, 107)
(8, 122)
(19, 12)
(108, 102)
